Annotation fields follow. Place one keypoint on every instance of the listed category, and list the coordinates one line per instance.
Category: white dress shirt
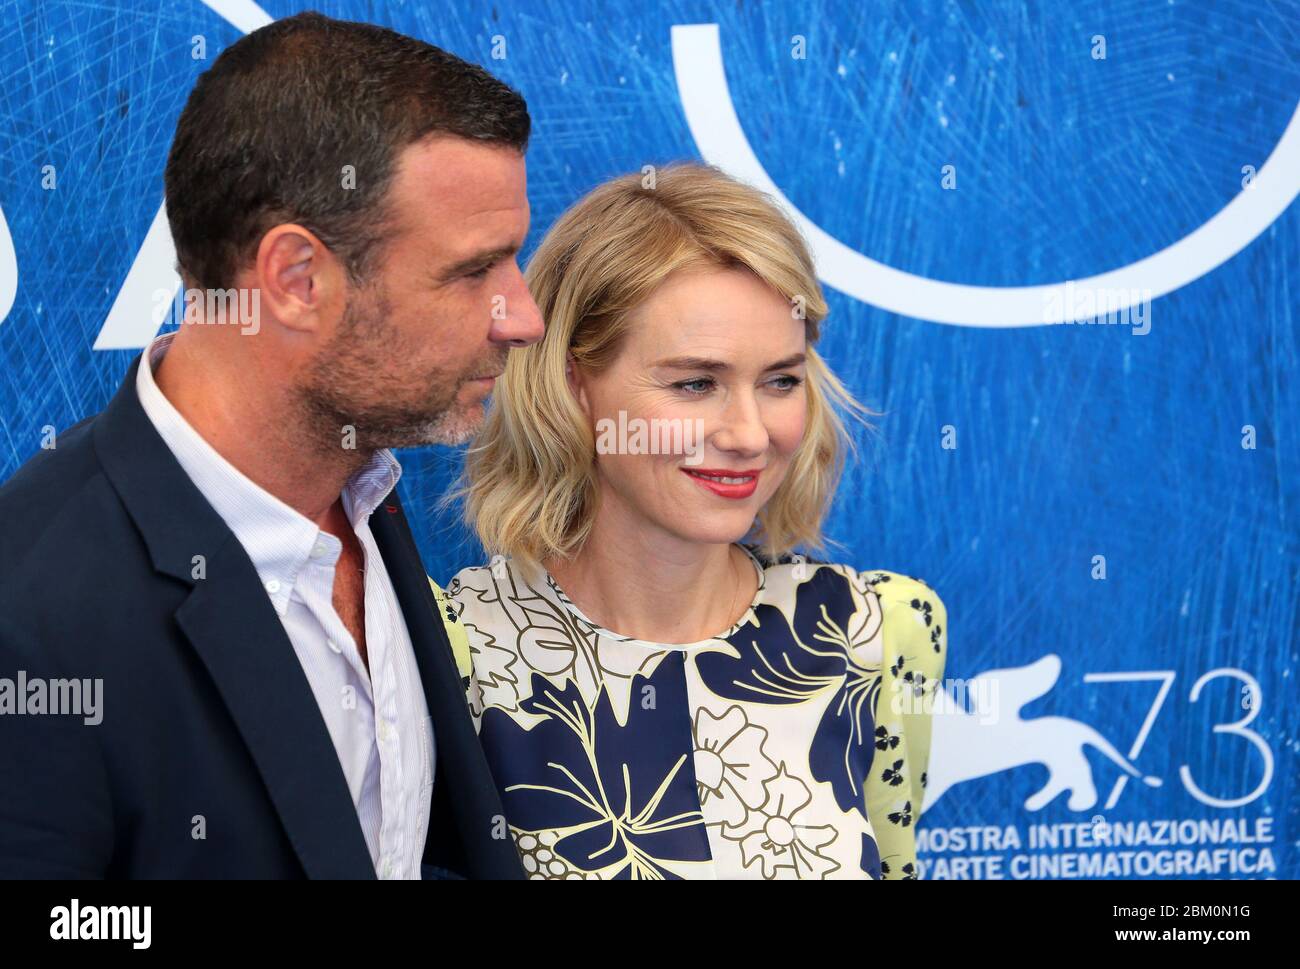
(379, 723)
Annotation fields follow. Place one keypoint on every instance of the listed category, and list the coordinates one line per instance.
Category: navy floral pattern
(793, 745)
(821, 651)
(618, 797)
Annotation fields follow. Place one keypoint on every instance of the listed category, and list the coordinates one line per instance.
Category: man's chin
(455, 427)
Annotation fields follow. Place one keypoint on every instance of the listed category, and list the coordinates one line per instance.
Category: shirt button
(318, 550)
(273, 586)
(334, 646)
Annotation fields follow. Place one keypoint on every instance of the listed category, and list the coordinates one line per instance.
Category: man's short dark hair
(268, 129)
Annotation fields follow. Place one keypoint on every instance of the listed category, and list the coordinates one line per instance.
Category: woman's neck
(649, 585)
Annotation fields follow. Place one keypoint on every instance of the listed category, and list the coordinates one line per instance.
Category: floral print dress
(792, 745)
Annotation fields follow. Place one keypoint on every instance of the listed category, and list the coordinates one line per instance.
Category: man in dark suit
(219, 652)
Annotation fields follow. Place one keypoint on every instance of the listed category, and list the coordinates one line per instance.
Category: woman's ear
(573, 374)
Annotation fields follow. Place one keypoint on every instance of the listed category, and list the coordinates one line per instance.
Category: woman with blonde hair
(664, 684)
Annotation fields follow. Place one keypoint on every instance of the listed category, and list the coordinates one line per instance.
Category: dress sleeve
(914, 630)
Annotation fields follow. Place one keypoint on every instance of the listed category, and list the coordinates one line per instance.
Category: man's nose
(519, 321)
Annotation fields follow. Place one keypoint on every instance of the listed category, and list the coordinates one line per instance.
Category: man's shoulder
(56, 508)
(54, 472)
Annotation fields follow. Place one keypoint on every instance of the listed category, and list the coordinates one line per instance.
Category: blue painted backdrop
(1071, 442)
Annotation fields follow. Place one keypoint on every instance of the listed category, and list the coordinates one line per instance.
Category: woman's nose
(741, 430)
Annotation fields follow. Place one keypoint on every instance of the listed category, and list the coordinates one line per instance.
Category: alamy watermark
(75, 922)
(949, 697)
(209, 307)
(1091, 304)
(61, 697)
(637, 435)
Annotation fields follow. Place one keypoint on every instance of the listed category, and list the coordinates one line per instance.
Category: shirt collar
(278, 539)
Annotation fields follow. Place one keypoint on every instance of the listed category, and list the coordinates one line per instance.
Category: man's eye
(479, 273)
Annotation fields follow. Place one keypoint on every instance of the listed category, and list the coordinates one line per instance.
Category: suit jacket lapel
(473, 800)
(230, 623)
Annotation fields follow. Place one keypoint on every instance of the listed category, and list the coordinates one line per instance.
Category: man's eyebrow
(477, 261)
(712, 366)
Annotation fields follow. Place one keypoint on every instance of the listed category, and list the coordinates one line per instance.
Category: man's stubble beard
(352, 384)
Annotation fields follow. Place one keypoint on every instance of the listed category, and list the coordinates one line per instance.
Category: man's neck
(255, 425)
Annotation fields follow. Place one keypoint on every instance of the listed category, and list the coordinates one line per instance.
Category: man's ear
(573, 375)
(301, 281)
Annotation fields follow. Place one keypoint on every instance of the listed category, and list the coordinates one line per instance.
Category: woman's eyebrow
(692, 363)
(705, 363)
(791, 361)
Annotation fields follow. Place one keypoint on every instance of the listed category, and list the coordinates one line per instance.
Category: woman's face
(712, 372)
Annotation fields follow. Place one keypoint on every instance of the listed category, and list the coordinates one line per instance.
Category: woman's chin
(721, 530)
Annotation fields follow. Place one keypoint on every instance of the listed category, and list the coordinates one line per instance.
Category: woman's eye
(700, 385)
(787, 382)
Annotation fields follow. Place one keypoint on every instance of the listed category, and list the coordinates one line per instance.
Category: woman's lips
(723, 482)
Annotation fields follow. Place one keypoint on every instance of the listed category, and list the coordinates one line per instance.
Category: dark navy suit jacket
(209, 725)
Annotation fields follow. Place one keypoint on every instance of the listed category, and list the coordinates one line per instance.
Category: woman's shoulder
(897, 588)
(893, 586)
(912, 612)
(468, 579)
(479, 588)
(475, 605)
(913, 622)
(484, 595)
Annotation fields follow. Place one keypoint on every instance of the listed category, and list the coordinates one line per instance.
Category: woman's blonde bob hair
(529, 484)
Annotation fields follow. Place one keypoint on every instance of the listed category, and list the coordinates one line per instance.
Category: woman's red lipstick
(738, 484)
